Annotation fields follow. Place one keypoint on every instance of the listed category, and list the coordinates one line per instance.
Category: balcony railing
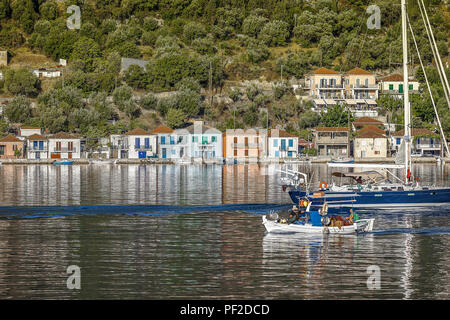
(64, 149)
(243, 145)
(144, 147)
(428, 145)
(330, 86)
(363, 86)
(37, 149)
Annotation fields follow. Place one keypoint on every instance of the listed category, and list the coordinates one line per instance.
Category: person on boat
(353, 217)
(293, 215)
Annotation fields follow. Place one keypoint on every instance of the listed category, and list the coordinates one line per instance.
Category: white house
(26, 131)
(282, 144)
(37, 147)
(64, 146)
(393, 85)
(166, 142)
(204, 142)
(47, 73)
(141, 144)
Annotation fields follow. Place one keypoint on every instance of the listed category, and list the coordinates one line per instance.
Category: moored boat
(63, 162)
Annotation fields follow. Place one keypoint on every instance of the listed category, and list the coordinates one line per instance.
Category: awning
(330, 101)
(360, 101)
(371, 102)
(318, 102)
(350, 102)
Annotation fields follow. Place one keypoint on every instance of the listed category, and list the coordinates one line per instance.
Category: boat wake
(62, 211)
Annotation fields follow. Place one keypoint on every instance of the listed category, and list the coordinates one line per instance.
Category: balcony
(364, 87)
(244, 146)
(143, 148)
(330, 86)
(436, 146)
(37, 149)
(65, 149)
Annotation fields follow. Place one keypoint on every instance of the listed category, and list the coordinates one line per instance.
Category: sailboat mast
(407, 107)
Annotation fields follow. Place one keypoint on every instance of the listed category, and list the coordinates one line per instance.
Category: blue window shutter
(137, 142)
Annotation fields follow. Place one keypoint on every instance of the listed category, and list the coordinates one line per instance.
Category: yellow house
(324, 83)
(360, 84)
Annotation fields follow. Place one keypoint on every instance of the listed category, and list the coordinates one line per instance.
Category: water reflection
(209, 254)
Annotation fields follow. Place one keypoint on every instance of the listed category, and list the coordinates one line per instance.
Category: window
(58, 146)
(163, 140)
(391, 87)
(246, 153)
(194, 139)
(291, 142)
(70, 145)
(235, 140)
(275, 143)
(204, 140)
(277, 154)
(137, 143)
(235, 152)
(411, 87)
(174, 152)
(147, 143)
(246, 141)
(2, 150)
(377, 152)
(398, 141)
(172, 140)
(290, 154)
(213, 139)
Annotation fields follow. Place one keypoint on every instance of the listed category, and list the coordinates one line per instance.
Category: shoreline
(312, 160)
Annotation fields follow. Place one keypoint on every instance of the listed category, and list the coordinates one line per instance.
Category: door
(69, 155)
(283, 144)
(142, 154)
(38, 155)
(164, 153)
(55, 156)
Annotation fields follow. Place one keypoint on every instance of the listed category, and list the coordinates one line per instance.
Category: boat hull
(363, 225)
(379, 199)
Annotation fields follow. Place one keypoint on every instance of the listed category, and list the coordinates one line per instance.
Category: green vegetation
(211, 43)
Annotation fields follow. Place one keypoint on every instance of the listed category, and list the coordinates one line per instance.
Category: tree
(49, 10)
(148, 101)
(253, 24)
(135, 77)
(21, 81)
(19, 110)
(336, 117)
(122, 94)
(175, 118)
(86, 50)
(193, 30)
(274, 33)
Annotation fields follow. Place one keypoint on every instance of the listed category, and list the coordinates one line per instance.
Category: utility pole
(210, 84)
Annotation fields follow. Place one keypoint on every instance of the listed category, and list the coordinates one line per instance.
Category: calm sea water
(195, 232)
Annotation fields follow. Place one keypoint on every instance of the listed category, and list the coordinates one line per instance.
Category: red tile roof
(393, 77)
(10, 139)
(63, 135)
(36, 137)
(324, 71)
(162, 129)
(367, 120)
(371, 128)
(330, 129)
(359, 71)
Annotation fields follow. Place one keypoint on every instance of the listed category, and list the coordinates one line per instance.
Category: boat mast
(407, 107)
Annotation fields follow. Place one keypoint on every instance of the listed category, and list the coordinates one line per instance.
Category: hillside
(192, 45)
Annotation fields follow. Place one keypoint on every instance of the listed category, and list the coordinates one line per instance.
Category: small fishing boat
(316, 221)
(63, 162)
(340, 160)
